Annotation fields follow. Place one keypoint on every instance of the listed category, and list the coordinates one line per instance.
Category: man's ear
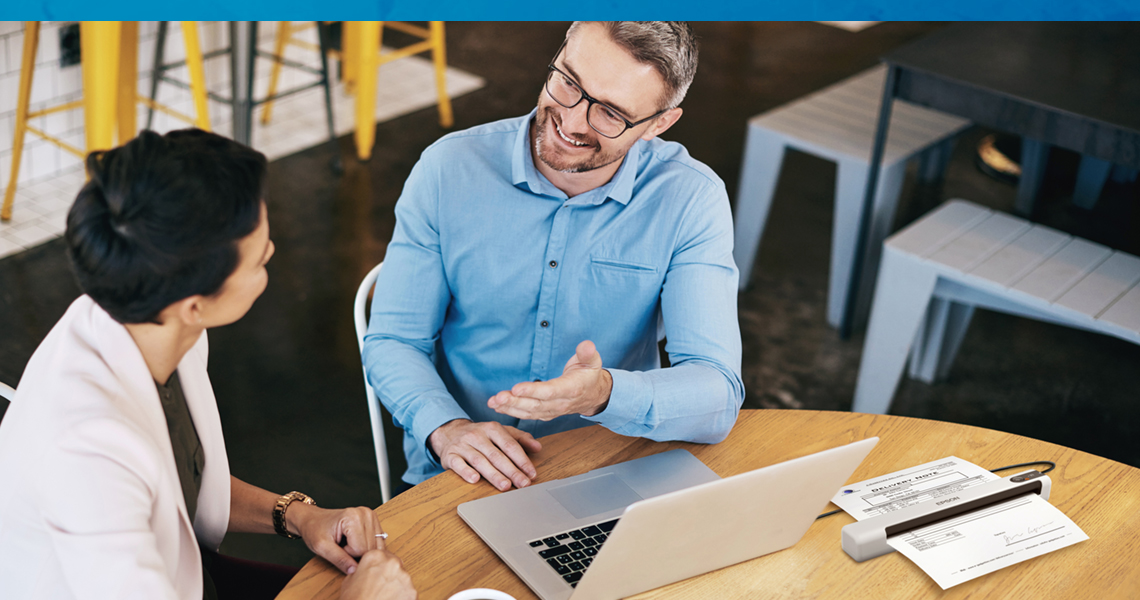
(662, 123)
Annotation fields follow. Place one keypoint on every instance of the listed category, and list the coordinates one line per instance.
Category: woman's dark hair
(160, 220)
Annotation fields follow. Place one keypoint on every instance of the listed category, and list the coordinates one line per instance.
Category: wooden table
(1099, 495)
(1071, 85)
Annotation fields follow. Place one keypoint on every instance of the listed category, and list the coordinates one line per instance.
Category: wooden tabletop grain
(1099, 495)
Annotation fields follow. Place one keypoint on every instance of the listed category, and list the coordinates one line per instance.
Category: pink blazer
(90, 501)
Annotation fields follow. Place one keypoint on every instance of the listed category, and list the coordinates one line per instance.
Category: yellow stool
(285, 31)
(110, 91)
(360, 45)
(362, 59)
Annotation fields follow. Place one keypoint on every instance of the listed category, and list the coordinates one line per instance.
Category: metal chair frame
(375, 411)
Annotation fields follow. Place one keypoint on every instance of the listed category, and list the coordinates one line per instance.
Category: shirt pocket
(622, 266)
(618, 306)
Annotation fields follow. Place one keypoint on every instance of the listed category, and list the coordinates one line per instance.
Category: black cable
(1052, 465)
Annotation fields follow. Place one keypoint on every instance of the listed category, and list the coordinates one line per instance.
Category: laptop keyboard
(570, 552)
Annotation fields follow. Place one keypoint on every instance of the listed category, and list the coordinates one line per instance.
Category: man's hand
(583, 389)
(380, 576)
(324, 532)
(497, 452)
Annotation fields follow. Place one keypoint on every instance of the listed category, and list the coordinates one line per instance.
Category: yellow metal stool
(361, 57)
(285, 31)
(110, 75)
(362, 60)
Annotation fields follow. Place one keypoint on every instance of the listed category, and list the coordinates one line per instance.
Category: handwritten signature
(1029, 531)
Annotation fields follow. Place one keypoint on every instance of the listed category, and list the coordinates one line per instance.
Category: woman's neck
(163, 346)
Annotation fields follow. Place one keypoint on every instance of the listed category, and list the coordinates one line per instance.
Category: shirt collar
(523, 171)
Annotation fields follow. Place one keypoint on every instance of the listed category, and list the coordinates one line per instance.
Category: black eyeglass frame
(590, 100)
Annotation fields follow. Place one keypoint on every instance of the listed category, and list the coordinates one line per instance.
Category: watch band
(279, 512)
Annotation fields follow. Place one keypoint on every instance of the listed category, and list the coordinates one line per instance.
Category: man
(572, 232)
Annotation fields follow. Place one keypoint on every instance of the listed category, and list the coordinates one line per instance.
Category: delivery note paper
(901, 489)
(988, 539)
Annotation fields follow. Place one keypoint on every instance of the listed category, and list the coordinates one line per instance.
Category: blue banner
(517, 10)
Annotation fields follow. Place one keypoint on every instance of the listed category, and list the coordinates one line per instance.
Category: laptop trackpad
(595, 496)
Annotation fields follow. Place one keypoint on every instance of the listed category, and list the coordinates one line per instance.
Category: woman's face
(246, 283)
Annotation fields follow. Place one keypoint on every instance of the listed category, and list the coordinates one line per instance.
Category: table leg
(1091, 176)
(1034, 155)
(99, 41)
(326, 79)
(368, 45)
(243, 37)
(157, 70)
(889, 91)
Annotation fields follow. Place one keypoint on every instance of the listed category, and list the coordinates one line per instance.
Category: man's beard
(543, 123)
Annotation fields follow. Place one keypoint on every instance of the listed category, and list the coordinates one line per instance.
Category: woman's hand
(336, 535)
(380, 576)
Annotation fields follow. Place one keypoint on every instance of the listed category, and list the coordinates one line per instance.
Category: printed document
(990, 538)
(903, 488)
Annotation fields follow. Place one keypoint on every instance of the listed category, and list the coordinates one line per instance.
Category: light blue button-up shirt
(494, 276)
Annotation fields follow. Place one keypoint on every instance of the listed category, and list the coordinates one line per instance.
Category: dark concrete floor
(288, 379)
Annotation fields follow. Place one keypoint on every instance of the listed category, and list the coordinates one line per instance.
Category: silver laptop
(642, 524)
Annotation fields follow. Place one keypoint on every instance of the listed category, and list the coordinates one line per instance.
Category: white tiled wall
(51, 85)
(50, 177)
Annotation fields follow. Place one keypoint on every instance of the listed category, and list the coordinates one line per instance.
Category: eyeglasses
(606, 121)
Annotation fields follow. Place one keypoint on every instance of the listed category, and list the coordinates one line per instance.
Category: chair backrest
(375, 415)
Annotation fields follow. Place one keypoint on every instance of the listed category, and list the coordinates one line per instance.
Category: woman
(114, 470)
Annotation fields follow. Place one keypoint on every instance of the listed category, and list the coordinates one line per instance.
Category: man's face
(564, 140)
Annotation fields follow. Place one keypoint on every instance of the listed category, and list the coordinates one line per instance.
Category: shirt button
(545, 323)
(553, 264)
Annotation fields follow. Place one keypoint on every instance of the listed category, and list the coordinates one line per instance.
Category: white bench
(838, 124)
(961, 256)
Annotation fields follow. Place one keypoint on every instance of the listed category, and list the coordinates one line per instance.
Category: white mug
(481, 594)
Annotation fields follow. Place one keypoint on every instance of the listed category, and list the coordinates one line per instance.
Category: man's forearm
(691, 402)
(411, 388)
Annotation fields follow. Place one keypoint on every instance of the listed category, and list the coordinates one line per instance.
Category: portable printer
(867, 539)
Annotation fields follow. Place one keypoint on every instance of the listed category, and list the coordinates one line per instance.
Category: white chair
(961, 256)
(375, 415)
(6, 392)
(837, 123)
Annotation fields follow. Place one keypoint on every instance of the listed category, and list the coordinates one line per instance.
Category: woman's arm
(335, 535)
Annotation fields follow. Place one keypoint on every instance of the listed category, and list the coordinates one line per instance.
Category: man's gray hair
(669, 46)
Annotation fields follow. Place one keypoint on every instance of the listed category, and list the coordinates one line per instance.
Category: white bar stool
(961, 256)
(838, 124)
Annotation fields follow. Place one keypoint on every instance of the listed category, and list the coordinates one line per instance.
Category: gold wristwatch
(279, 512)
